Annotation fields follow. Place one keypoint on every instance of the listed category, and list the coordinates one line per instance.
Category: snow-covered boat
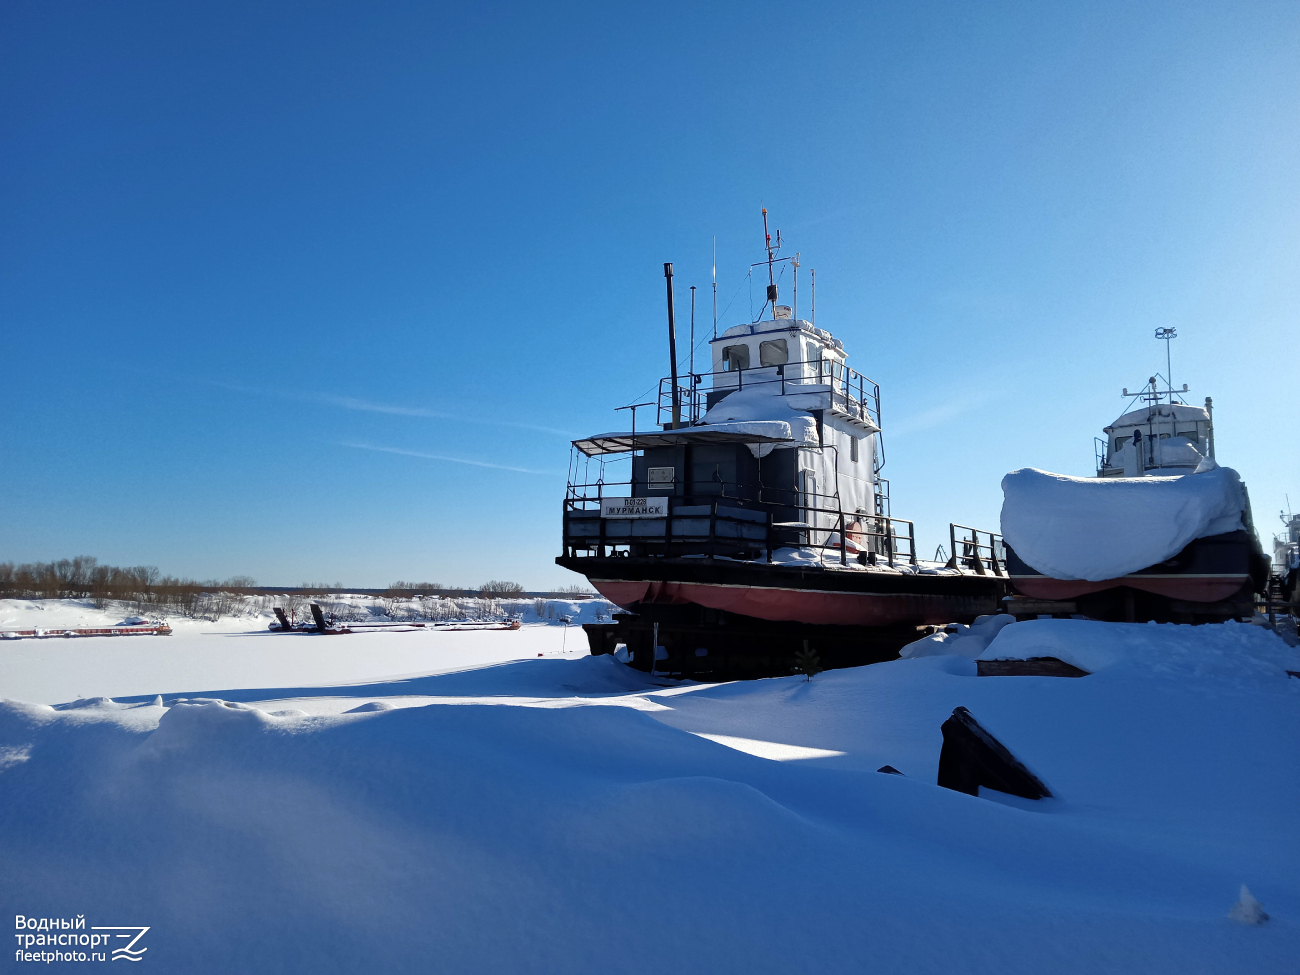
(751, 520)
(1162, 532)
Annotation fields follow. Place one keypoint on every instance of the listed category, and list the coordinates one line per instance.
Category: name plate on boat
(634, 508)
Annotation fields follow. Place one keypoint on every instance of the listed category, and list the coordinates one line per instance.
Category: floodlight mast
(1168, 335)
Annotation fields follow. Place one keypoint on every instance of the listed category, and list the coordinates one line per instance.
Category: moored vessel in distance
(751, 520)
(1161, 533)
(1286, 562)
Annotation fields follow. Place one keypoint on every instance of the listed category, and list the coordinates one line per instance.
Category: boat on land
(1286, 563)
(751, 521)
(1157, 465)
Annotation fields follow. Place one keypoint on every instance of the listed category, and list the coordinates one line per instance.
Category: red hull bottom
(1195, 589)
(792, 605)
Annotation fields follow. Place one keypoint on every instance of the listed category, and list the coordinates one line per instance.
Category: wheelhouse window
(853, 449)
(735, 357)
(773, 353)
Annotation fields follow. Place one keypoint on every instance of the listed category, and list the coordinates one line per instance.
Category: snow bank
(1103, 528)
(957, 638)
(1229, 654)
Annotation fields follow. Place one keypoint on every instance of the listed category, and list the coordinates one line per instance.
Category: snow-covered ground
(571, 815)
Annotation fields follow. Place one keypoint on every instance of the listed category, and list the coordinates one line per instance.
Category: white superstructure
(1165, 437)
(771, 369)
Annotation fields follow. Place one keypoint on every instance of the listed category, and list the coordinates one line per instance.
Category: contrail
(391, 409)
(444, 457)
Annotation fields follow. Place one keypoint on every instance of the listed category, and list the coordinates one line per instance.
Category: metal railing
(718, 523)
(969, 551)
(850, 392)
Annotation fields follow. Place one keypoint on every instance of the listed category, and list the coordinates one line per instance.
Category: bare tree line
(83, 577)
(149, 590)
(493, 588)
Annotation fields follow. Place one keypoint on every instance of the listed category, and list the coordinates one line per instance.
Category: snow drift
(763, 410)
(958, 639)
(1103, 528)
(573, 816)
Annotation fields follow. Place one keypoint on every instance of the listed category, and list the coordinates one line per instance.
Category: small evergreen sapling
(1247, 910)
(807, 662)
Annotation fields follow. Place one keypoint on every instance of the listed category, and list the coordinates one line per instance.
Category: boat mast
(1168, 335)
(771, 278)
(794, 312)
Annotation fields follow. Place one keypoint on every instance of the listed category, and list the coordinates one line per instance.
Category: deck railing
(982, 557)
(721, 524)
(850, 392)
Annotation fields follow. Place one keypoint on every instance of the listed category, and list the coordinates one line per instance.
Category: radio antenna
(813, 320)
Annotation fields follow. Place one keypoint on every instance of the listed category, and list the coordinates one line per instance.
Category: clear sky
(321, 291)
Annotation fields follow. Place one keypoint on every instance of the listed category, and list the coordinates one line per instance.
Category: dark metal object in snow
(889, 770)
(319, 617)
(1033, 667)
(971, 757)
(284, 620)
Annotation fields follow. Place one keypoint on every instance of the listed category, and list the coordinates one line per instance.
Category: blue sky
(321, 291)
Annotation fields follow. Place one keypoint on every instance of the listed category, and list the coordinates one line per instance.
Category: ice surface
(1103, 528)
(238, 652)
(569, 814)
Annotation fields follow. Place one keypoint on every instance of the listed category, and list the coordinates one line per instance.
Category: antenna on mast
(813, 320)
(715, 286)
(771, 255)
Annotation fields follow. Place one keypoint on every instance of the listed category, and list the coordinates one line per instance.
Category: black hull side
(1213, 579)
